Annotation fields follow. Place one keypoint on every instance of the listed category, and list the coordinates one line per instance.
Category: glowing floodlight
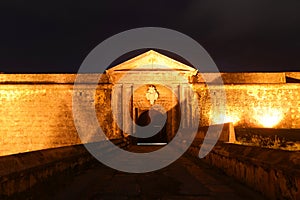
(268, 117)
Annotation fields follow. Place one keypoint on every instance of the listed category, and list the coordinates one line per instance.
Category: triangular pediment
(150, 66)
(152, 61)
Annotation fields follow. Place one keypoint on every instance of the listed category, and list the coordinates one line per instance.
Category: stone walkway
(187, 178)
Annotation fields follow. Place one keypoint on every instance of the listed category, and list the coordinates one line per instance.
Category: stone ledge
(51, 78)
(274, 173)
(243, 77)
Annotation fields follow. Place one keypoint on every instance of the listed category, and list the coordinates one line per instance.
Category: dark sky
(55, 36)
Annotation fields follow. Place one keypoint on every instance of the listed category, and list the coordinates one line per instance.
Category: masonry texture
(255, 105)
(36, 109)
(36, 112)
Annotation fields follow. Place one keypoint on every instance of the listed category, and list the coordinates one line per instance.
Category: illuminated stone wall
(35, 117)
(246, 77)
(36, 110)
(255, 105)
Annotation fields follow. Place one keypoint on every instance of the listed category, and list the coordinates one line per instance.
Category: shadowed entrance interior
(157, 119)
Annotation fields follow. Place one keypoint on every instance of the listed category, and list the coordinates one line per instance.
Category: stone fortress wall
(36, 109)
(256, 105)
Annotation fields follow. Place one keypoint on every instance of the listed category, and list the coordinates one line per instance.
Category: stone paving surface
(187, 178)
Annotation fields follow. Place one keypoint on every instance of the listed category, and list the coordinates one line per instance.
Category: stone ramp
(187, 178)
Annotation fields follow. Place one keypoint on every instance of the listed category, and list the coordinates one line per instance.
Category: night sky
(56, 36)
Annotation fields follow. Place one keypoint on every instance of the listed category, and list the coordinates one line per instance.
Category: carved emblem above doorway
(152, 94)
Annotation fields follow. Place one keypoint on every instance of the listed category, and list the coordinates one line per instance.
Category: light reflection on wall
(267, 116)
(217, 118)
(263, 116)
(234, 119)
(34, 117)
(10, 95)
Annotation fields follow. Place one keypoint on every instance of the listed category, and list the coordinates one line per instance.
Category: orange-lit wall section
(36, 110)
(255, 105)
(38, 114)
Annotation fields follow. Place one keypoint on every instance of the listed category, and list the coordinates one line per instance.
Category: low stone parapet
(20, 172)
(274, 173)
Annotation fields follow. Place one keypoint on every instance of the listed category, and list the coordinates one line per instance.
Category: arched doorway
(156, 120)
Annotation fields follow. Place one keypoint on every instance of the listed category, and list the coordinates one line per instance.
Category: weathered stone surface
(253, 105)
(275, 173)
(21, 172)
(243, 77)
(186, 178)
(39, 116)
(50, 78)
(36, 109)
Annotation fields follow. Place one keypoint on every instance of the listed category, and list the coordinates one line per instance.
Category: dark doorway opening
(156, 120)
